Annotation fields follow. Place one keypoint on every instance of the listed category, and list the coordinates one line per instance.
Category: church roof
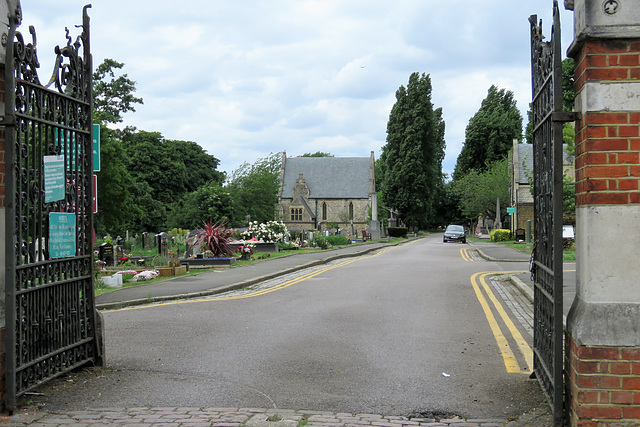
(525, 155)
(328, 177)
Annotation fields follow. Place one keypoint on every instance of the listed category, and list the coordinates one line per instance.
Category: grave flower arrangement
(272, 231)
(246, 251)
(146, 275)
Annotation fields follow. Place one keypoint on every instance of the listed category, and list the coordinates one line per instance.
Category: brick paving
(245, 417)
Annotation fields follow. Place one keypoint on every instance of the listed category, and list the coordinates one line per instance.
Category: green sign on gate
(62, 234)
(96, 148)
(54, 181)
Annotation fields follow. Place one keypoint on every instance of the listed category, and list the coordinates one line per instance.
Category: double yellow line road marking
(479, 283)
(465, 254)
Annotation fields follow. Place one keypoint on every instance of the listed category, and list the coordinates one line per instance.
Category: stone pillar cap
(604, 19)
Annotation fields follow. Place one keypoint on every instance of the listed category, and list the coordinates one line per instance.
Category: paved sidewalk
(499, 253)
(247, 417)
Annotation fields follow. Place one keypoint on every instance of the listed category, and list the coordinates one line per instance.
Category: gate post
(6, 6)
(602, 365)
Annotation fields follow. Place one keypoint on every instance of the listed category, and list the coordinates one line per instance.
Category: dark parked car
(454, 233)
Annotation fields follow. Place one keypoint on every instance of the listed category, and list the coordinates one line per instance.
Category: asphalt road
(401, 332)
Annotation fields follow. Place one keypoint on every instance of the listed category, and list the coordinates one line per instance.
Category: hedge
(397, 231)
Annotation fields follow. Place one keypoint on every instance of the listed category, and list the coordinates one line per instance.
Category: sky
(246, 78)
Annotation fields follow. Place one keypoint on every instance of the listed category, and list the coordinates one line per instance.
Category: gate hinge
(7, 120)
(565, 116)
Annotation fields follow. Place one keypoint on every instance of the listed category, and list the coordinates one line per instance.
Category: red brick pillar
(603, 327)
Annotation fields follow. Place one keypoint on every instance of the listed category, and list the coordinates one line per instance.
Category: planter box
(177, 271)
(172, 271)
(165, 271)
(207, 262)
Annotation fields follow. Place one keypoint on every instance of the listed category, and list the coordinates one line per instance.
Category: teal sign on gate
(62, 234)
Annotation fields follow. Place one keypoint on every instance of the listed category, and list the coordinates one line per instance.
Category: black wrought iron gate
(547, 118)
(50, 312)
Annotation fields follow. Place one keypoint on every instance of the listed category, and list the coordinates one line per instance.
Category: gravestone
(105, 254)
(145, 240)
(162, 242)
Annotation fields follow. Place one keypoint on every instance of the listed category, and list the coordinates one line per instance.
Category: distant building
(317, 191)
(521, 168)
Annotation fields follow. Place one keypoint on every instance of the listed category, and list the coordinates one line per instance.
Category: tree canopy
(254, 189)
(478, 191)
(317, 154)
(412, 157)
(112, 96)
(490, 133)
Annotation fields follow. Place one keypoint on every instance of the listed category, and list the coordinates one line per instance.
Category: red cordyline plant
(215, 238)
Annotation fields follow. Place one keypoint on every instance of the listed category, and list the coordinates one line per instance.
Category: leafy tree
(116, 204)
(171, 168)
(478, 191)
(568, 103)
(413, 154)
(254, 189)
(446, 207)
(568, 82)
(490, 132)
(111, 99)
(317, 154)
(209, 202)
(152, 214)
(114, 97)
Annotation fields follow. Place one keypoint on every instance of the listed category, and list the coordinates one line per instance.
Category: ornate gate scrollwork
(50, 310)
(547, 118)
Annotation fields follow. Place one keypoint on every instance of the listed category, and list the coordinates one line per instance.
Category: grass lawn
(568, 255)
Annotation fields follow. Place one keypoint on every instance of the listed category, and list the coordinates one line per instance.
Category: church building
(317, 191)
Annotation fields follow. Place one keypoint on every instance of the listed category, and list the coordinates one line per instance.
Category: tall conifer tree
(490, 132)
(412, 157)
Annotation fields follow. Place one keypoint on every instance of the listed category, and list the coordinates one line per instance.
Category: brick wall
(603, 385)
(608, 142)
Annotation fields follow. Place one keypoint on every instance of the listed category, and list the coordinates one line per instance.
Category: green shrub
(500, 235)
(397, 231)
(160, 261)
(338, 240)
(320, 242)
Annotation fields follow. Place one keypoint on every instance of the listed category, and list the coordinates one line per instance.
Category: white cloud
(244, 79)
